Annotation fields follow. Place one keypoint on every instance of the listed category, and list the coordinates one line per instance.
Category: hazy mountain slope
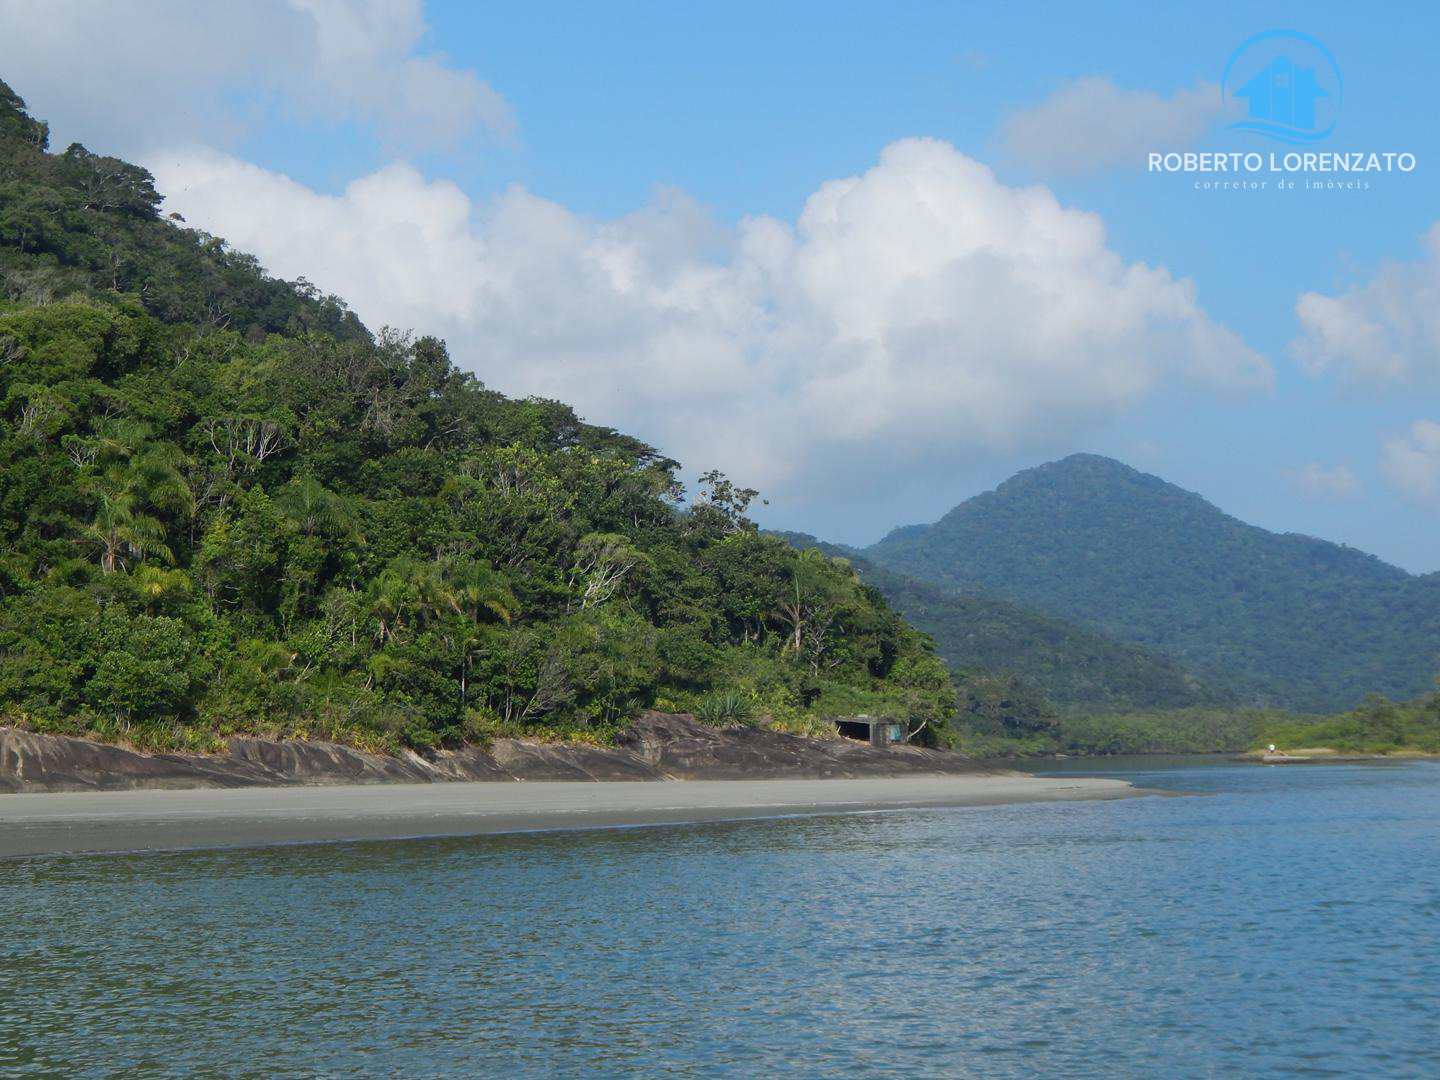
(1073, 666)
(1286, 619)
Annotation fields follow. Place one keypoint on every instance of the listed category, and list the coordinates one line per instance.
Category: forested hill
(1073, 667)
(1283, 619)
(226, 506)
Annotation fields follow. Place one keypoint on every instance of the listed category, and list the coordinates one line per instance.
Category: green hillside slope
(226, 507)
(1281, 619)
(1073, 667)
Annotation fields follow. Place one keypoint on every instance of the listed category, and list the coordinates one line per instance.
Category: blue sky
(749, 109)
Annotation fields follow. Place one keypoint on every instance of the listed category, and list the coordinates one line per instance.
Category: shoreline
(1327, 755)
(201, 818)
(657, 746)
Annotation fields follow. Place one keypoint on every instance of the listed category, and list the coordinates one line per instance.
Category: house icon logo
(1284, 93)
(1288, 85)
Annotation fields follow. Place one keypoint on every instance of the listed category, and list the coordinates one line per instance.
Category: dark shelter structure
(877, 731)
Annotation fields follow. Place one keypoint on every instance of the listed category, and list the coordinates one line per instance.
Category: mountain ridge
(1100, 464)
(1284, 618)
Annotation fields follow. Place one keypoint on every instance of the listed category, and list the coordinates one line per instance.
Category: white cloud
(1324, 481)
(129, 77)
(365, 61)
(1411, 461)
(913, 317)
(1386, 331)
(1090, 124)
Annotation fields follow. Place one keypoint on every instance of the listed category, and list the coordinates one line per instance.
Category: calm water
(1288, 923)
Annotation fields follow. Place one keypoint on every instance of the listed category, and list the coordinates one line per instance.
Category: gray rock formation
(659, 746)
(679, 747)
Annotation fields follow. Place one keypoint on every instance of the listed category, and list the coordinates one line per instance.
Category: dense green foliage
(79, 224)
(225, 506)
(1281, 620)
(1377, 726)
(1074, 668)
(1174, 731)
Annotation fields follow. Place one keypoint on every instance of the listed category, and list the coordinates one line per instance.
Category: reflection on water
(1287, 922)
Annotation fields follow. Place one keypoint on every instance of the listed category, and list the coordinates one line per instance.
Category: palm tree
(156, 585)
(121, 531)
(391, 598)
(474, 589)
(475, 592)
(122, 535)
(315, 508)
(157, 473)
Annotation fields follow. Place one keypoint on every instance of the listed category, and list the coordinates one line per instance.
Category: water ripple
(1286, 926)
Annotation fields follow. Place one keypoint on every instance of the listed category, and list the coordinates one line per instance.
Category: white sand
(199, 818)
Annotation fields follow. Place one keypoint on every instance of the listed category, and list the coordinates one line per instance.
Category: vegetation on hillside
(1173, 731)
(1378, 726)
(227, 507)
(1072, 668)
(1274, 620)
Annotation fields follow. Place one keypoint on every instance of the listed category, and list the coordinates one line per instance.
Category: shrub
(725, 709)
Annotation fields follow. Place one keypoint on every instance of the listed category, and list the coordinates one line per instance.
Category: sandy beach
(199, 818)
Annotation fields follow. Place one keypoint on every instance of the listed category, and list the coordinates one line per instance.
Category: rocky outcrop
(31, 762)
(570, 761)
(659, 746)
(679, 747)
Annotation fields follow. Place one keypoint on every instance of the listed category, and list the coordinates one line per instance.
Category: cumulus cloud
(912, 318)
(1324, 481)
(128, 77)
(1089, 124)
(1411, 461)
(1385, 331)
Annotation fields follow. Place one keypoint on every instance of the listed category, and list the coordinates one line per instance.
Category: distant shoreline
(1327, 755)
(159, 820)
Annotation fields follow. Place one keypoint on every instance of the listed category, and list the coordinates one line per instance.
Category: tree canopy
(227, 506)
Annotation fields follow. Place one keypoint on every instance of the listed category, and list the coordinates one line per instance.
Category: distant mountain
(1072, 666)
(1281, 619)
